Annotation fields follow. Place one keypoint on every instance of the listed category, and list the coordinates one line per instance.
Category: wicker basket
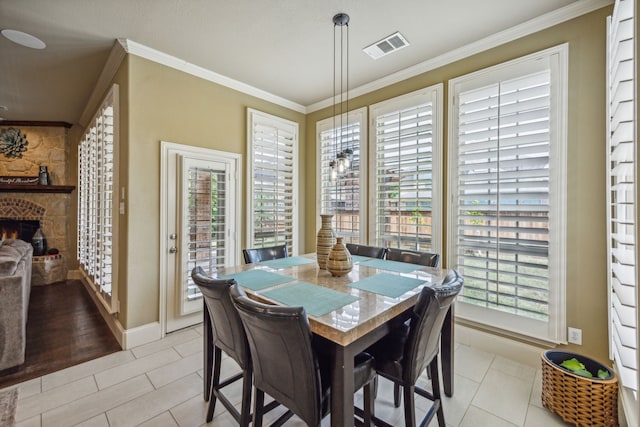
(579, 400)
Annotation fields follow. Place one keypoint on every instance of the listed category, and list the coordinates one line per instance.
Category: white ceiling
(283, 47)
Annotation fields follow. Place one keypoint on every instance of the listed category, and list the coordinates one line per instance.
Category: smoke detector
(387, 45)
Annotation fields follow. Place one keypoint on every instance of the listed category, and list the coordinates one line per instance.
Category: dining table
(347, 314)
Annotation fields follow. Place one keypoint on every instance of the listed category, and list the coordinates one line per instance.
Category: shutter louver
(622, 210)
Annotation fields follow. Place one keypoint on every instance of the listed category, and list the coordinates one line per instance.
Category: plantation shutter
(622, 212)
(403, 171)
(206, 213)
(503, 194)
(343, 196)
(96, 199)
(273, 188)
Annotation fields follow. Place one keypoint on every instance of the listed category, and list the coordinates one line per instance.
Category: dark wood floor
(64, 328)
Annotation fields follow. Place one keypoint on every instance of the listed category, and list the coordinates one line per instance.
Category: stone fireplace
(46, 269)
(50, 206)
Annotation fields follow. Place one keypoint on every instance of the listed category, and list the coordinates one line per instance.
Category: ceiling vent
(390, 44)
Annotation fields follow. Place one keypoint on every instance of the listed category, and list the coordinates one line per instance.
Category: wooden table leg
(208, 353)
(446, 349)
(342, 387)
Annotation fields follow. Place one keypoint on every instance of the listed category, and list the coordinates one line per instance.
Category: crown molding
(116, 56)
(540, 23)
(195, 70)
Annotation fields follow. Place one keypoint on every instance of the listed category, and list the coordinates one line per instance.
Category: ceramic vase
(325, 241)
(339, 262)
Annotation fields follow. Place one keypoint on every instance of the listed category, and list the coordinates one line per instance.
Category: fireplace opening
(19, 229)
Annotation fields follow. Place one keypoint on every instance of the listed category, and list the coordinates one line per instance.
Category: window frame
(555, 329)
(355, 116)
(254, 117)
(433, 94)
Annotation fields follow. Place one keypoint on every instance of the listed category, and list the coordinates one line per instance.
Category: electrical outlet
(575, 336)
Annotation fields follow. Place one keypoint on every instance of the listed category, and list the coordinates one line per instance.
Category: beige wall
(586, 249)
(167, 105)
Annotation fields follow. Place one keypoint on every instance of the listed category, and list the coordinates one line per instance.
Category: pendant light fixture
(344, 156)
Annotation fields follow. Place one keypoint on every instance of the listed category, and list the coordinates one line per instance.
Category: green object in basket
(575, 366)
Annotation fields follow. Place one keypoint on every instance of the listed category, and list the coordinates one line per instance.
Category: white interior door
(200, 230)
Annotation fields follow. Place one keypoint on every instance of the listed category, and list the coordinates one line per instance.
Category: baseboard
(629, 408)
(74, 275)
(524, 353)
(142, 335)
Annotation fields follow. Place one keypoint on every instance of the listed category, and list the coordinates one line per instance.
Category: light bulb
(346, 162)
(340, 165)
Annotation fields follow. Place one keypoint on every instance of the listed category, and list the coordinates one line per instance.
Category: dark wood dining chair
(403, 355)
(368, 251)
(228, 336)
(255, 255)
(286, 365)
(427, 259)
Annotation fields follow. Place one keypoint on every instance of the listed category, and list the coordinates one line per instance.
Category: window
(273, 174)
(97, 184)
(405, 171)
(507, 179)
(344, 195)
(622, 197)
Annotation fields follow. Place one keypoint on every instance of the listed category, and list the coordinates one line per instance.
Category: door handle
(173, 250)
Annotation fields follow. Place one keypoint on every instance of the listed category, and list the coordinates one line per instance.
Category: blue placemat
(287, 262)
(257, 280)
(316, 300)
(399, 267)
(386, 284)
(358, 259)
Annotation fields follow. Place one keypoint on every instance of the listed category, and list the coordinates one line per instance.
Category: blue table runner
(257, 280)
(287, 262)
(316, 300)
(359, 259)
(386, 284)
(397, 266)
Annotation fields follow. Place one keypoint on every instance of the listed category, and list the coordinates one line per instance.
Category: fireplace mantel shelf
(21, 188)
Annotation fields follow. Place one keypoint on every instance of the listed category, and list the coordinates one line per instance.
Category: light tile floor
(160, 384)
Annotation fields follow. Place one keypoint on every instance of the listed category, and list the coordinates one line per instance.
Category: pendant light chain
(333, 164)
(343, 158)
